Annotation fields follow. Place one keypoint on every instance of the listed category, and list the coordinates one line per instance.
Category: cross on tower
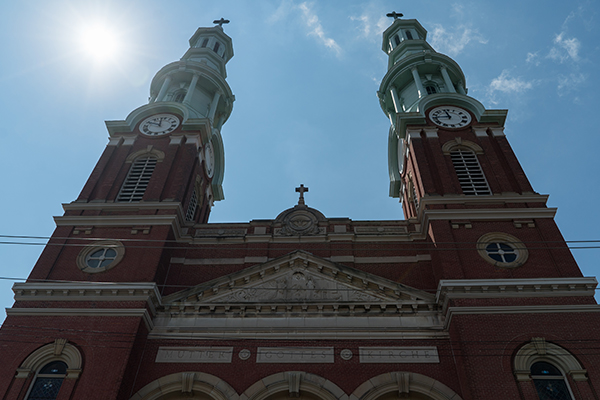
(301, 190)
(221, 21)
(395, 15)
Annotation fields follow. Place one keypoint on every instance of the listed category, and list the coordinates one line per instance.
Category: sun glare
(99, 42)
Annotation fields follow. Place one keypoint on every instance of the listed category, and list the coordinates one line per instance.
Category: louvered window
(471, 178)
(192, 207)
(137, 179)
(414, 198)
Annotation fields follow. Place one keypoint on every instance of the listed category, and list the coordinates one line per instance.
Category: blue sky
(305, 76)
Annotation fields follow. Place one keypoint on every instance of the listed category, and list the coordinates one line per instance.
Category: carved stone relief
(298, 285)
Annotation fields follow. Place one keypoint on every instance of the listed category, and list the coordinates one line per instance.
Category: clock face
(450, 117)
(209, 160)
(159, 124)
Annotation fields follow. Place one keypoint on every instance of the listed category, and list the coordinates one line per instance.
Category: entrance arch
(187, 385)
(298, 384)
(408, 384)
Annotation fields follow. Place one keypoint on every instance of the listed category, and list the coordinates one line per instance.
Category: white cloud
(284, 9)
(458, 9)
(370, 28)
(312, 22)
(533, 58)
(565, 48)
(506, 84)
(566, 83)
(452, 43)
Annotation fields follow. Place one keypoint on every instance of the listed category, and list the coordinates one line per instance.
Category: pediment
(300, 278)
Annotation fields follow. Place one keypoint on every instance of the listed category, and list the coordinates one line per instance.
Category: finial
(395, 15)
(221, 21)
(301, 190)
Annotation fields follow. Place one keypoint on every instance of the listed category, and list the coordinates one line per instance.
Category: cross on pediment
(221, 21)
(395, 15)
(301, 190)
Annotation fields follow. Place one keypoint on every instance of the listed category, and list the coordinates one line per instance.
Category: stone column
(163, 89)
(191, 88)
(447, 80)
(213, 106)
(417, 78)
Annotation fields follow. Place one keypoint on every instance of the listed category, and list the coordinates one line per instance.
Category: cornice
(141, 205)
(513, 288)
(87, 291)
(527, 309)
(322, 333)
(119, 220)
(83, 312)
(486, 214)
(503, 198)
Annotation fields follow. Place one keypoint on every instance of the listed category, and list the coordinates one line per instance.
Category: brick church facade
(474, 295)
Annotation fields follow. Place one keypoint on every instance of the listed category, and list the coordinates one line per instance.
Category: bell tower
(158, 176)
(451, 165)
(171, 150)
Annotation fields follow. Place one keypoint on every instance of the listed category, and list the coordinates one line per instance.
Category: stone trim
(83, 312)
(500, 237)
(150, 151)
(86, 291)
(60, 350)
(545, 309)
(459, 143)
(541, 350)
(144, 205)
(511, 288)
(187, 383)
(321, 330)
(98, 245)
(294, 383)
(348, 258)
(403, 383)
(503, 198)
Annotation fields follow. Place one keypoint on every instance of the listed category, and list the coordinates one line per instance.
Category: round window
(100, 256)
(502, 250)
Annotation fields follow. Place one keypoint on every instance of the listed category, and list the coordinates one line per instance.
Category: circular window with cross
(100, 256)
(502, 250)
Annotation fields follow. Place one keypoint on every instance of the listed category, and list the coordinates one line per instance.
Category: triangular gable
(300, 278)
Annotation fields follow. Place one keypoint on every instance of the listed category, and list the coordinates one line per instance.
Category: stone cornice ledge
(511, 288)
(493, 199)
(83, 312)
(142, 205)
(486, 214)
(544, 309)
(87, 291)
(119, 220)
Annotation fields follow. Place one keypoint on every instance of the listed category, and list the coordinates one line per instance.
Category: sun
(100, 42)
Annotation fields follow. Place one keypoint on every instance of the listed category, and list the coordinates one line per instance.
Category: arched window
(179, 96)
(205, 42)
(396, 40)
(408, 35)
(549, 382)
(47, 381)
(470, 175)
(216, 48)
(547, 365)
(51, 365)
(137, 180)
